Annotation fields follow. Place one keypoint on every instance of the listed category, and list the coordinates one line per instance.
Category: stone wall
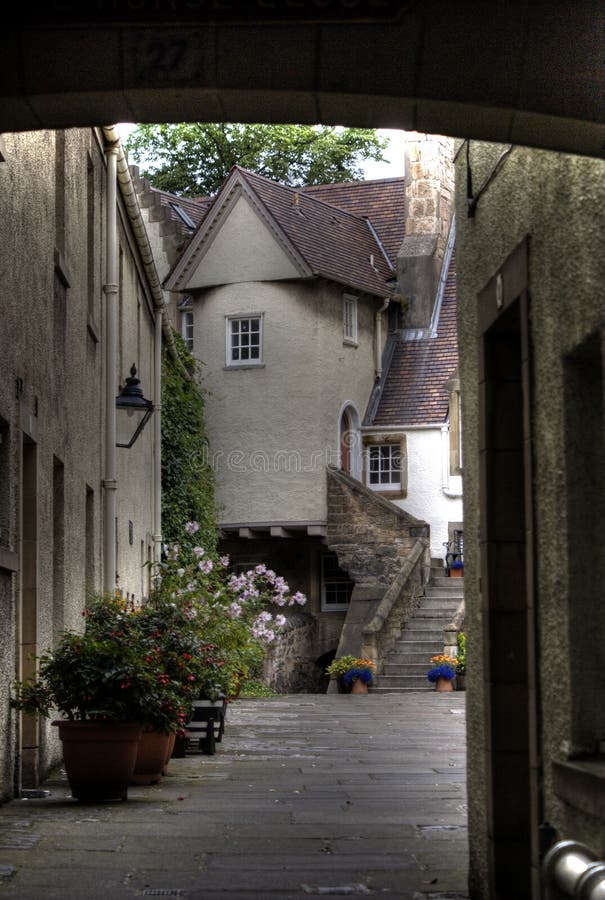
(380, 634)
(429, 180)
(555, 202)
(370, 535)
(290, 663)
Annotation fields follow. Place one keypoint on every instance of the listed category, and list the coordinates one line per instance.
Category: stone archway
(519, 73)
(514, 73)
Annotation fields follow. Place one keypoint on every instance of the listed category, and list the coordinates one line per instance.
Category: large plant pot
(169, 751)
(359, 687)
(179, 751)
(99, 758)
(151, 757)
(444, 684)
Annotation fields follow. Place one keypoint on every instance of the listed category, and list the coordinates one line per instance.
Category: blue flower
(442, 671)
(353, 674)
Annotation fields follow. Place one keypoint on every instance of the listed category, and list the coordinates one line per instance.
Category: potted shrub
(442, 672)
(355, 673)
(107, 690)
(457, 568)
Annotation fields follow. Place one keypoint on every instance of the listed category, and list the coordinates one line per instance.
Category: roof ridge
(358, 182)
(297, 190)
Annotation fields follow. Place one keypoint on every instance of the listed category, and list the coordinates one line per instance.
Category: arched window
(349, 441)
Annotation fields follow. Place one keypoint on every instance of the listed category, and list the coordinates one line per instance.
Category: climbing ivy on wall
(187, 477)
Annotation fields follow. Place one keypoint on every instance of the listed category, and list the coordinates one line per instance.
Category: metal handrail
(574, 871)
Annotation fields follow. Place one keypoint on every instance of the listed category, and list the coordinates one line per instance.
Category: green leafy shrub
(187, 476)
(461, 658)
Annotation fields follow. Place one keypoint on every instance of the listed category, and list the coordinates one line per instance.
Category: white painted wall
(241, 248)
(274, 429)
(428, 497)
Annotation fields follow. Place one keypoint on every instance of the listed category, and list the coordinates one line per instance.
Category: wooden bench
(207, 724)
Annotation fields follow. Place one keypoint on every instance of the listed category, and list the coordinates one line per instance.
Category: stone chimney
(429, 202)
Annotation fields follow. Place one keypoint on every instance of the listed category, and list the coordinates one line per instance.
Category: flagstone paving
(331, 794)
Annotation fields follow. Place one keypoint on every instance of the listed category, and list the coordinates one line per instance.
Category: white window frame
(349, 319)
(390, 485)
(345, 581)
(187, 328)
(232, 363)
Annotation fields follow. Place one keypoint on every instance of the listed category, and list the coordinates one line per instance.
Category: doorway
(507, 580)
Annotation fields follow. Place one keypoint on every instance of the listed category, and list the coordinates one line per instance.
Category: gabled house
(291, 299)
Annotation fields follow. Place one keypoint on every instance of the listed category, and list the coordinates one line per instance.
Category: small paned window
(336, 586)
(244, 341)
(349, 319)
(384, 466)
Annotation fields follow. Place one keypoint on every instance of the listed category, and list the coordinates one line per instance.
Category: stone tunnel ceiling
(518, 72)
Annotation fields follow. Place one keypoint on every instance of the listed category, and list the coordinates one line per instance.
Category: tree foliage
(187, 477)
(193, 159)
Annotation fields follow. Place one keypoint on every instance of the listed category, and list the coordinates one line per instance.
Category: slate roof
(328, 241)
(194, 209)
(382, 201)
(414, 391)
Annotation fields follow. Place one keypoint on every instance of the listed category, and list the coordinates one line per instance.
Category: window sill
(581, 784)
(238, 368)
(349, 342)
(390, 494)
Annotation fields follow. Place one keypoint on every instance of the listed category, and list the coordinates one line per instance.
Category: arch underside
(511, 73)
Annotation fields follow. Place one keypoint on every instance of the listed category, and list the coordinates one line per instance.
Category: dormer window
(349, 319)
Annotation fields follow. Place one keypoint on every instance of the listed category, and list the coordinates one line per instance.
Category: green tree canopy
(192, 160)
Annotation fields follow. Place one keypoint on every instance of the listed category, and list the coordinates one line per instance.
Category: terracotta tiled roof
(382, 201)
(414, 391)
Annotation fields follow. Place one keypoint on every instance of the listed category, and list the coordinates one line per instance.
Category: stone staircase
(407, 664)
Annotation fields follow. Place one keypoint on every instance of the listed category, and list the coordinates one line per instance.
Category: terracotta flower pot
(151, 757)
(359, 687)
(171, 742)
(444, 684)
(99, 758)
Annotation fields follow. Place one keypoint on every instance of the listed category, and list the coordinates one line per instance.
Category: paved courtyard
(331, 794)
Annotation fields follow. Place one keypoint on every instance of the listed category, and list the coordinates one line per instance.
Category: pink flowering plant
(236, 615)
(201, 631)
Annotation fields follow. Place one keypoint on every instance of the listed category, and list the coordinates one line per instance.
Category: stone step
(413, 657)
(430, 613)
(429, 631)
(410, 647)
(447, 604)
(397, 682)
(447, 589)
(419, 669)
(442, 581)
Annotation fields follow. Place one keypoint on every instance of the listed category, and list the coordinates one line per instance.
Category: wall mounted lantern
(133, 411)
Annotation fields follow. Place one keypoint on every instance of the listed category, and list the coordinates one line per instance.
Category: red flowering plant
(100, 675)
